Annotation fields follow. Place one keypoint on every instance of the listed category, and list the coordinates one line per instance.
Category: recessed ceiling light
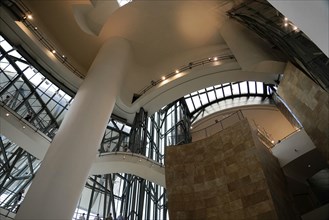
(163, 78)
(309, 165)
(53, 51)
(215, 58)
(7, 114)
(29, 16)
(176, 71)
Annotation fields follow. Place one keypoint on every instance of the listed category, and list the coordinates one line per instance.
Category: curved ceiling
(163, 35)
(156, 29)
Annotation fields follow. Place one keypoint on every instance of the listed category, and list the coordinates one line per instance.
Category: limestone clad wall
(310, 103)
(229, 175)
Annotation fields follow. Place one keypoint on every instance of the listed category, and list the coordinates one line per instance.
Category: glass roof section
(123, 2)
(242, 93)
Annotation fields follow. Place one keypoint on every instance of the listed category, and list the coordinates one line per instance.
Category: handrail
(26, 123)
(190, 65)
(23, 16)
(238, 114)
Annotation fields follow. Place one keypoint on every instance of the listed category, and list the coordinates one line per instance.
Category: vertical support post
(68, 160)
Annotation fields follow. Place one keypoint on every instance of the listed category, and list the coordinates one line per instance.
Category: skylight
(123, 2)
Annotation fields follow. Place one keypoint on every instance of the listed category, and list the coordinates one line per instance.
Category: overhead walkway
(36, 143)
(127, 162)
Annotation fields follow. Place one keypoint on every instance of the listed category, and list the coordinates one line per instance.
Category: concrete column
(56, 189)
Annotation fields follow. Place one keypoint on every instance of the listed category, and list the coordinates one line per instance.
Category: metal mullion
(8, 161)
(222, 87)
(12, 82)
(18, 154)
(192, 101)
(105, 196)
(141, 193)
(43, 105)
(164, 217)
(207, 96)
(3, 149)
(248, 88)
(4, 54)
(64, 107)
(14, 65)
(125, 201)
(239, 88)
(112, 196)
(91, 197)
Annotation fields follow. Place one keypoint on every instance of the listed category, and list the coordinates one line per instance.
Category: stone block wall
(229, 175)
(310, 103)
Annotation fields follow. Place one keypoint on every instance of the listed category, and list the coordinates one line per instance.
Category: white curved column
(251, 52)
(56, 188)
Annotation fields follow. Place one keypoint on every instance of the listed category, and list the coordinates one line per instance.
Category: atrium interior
(164, 109)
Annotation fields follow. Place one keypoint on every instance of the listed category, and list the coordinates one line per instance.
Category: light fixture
(29, 16)
(35, 28)
(53, 51)
(295, 28)
(272, 141)
(215, 58)
(23, 127)
(63, 56)
(285, 19)
(191, 127)
(176, 71)
(124, 157)
(7, 114)
(309, 165)
(163, 78)
(286, 24)
(140, 160)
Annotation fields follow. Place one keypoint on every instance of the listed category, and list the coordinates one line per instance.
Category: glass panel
(45, 98)
(5, 45)
(210, 88)
(204, 99)
(196, 101)
(15, 54)
(211, 96)
(21, 65)
(4, 81)
(243, 87)
(44, 85)
(219, 93)
(5, 66)
(235, 87)
(189, 104)
(227, 91)
(252, 88)
(259, 87)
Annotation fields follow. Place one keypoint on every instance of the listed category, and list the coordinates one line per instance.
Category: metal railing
(189, 66)
(219, 125)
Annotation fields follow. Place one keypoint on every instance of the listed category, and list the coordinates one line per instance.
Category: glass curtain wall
(129, 195)
(25, 90)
